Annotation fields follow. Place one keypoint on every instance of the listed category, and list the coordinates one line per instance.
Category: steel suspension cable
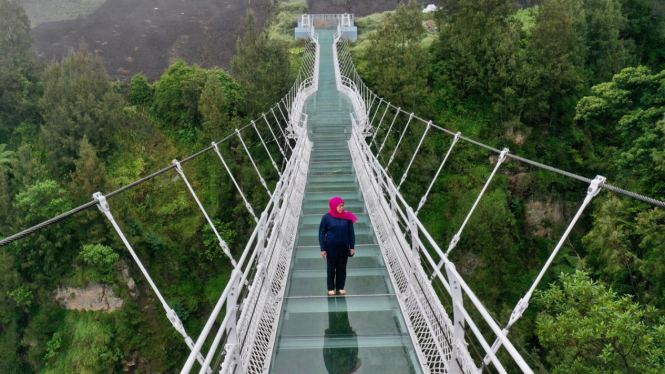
(379, 126)
(263, 181)
(267, 151)
(120, 190)
(456, 237)
(424, 198)
(406, 172)
(280, 127)
(390, 129)
(247, 205)
(222, 243)
(375, 113)
(273, 135)
(523, 303)
(170, 313)
(392, 157)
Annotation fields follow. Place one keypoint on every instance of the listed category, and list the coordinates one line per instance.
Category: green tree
(478, 42)
(90, 173)
(14, 28)
(5, 156)
(89, 177)
(102, 258)
(26, 168)
(214, 107)
(47, 252)
(178, 95)
(588, 328)
(552, 77)
(262, 66)
(645, 26)
(627, 250)
(11, 313)
(395, 63)
(626, 115)
(21, 296)
(79, 100)
(141, 92)
(86, 344)
(477, 56)
(20, 72)
(176, 98)
(608, 52)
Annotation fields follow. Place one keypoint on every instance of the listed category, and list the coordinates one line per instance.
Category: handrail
(273, 217)
(384, 186)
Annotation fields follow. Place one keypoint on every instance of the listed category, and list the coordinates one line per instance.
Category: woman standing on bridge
(337, 240)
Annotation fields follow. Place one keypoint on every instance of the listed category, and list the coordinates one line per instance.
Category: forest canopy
(578, 84)
(575, 84)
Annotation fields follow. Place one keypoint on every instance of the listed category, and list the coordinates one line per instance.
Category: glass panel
(334, 335)
(339, 334)
(366, 257)
(316, 218)
(312, 238)
(369, 315)
(364, 281)
(313, 179)
(314, 196)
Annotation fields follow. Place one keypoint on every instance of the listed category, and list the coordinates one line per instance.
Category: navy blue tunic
(336, 236)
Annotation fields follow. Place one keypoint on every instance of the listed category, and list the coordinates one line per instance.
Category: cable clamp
(178, 167)
(517, 312)
(502, 156)
(594, 187)
(175, 321)
(103, 205)
(453, 243)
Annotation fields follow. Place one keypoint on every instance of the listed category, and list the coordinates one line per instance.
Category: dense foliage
(573, 83)
(262, 66)
(68, 131)
(576, 84)
(590, 329)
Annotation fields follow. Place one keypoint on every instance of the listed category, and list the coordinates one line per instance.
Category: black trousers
(336, 272)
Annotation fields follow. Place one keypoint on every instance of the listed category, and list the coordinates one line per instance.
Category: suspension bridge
(277, 317)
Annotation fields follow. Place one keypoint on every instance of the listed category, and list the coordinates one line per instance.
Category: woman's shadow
(340, 345)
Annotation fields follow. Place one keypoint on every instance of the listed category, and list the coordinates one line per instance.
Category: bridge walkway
(318, 333)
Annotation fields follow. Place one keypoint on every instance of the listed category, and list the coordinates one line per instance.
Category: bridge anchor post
(415, 248)
(393, 204)
(458, 316)
(232, 346)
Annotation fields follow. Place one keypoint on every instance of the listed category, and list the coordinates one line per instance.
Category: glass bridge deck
(362, 332)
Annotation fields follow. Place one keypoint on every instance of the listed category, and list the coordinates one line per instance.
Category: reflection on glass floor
(363, 332)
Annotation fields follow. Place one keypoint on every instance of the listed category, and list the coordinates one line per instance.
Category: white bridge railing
(440, 340)
(307, 83)
(242, 343)
(253, 295)
(252, 299)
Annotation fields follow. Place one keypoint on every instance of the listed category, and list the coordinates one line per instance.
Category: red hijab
(334, 203)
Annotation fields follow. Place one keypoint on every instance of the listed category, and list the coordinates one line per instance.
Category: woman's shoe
(331, 293)
(342, 292)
